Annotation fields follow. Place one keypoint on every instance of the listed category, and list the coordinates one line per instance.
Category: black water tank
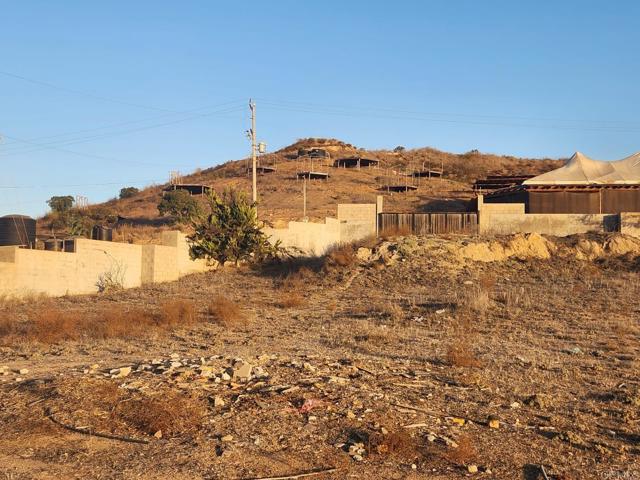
(102, 233)
(17, 230)
(54, 245)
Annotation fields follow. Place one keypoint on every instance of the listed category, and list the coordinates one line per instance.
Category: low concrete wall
(509, 218)
(24, 271)
(547, 224)
(355, 221)
(630, 224)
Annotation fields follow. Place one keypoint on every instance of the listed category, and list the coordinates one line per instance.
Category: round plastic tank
(102, 233)
(54, 245)
(17, 230)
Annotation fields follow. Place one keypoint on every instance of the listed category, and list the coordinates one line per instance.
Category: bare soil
(361, 376)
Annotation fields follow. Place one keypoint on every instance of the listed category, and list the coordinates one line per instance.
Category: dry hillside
(281, 194)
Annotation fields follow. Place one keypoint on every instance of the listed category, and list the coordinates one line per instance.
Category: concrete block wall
(510, 218)
(630, 224)
(354, 222)
(24, 271)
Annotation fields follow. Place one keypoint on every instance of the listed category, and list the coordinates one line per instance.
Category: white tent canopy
(582, 170)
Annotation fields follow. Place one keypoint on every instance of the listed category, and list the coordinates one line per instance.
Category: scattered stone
(23, 371)
(494, 422)
(218, 401)
(225, 376)
(441, 311)
(242, 372)
(158, 434)
(458, 421)
(176, 364)
(515, 405)
(259, 372)
(472, 468)
(538, 400)
(120, 372)
(226, 438)
(351, 415)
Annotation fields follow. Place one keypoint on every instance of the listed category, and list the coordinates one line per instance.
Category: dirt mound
(619, 245)
(520, 246)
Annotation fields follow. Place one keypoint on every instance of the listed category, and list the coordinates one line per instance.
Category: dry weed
(460, 354)
(460, 351)
(290, 300)
(341, 256)
(396, 231)
(225, 312)
(52, 326)
(465, 454)
(178, 312)
(400, 444)
(170, 413)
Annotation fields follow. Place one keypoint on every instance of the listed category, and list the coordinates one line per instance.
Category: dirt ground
(408, 361)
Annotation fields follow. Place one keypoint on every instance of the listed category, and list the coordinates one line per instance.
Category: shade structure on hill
(582, 170)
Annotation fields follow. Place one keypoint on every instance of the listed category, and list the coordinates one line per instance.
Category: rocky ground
(411, 358)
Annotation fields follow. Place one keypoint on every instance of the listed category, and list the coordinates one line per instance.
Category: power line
(71, 185)
(84, 139)
(432, 117)
(81, 92)
(121, 124)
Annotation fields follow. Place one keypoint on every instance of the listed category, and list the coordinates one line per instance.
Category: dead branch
(86, 431)
(296, 475)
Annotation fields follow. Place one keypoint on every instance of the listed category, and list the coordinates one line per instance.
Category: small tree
(230, 231)
(128, 192)
(180, 205)
(60, 204)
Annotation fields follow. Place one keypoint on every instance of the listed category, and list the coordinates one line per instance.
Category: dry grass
(290, 300)
(396, 231)
(105, 407)
(460, 354)
(465, 454)
(400, 444)
(178, 312)
(226, 313)
(460, 350)
(171, 413)
(340, 256)
(298, 279)
(52, 325)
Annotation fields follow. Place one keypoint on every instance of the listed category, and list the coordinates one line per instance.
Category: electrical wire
(81, 92)
(119, 124)
(85, 139)
(589, 125)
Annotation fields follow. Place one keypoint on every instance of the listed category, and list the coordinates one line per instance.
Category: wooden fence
(426, 223)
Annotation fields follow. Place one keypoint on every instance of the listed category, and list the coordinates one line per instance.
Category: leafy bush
(230, 231)
(180, 205)
(128, 192)
(60, 204)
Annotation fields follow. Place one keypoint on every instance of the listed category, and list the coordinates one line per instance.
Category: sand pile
(533, 245)
(520, 246)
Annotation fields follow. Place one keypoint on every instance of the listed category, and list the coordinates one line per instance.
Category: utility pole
(252, 107)
(304, 199)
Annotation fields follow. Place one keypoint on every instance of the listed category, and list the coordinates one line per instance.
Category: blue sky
(99, 95)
